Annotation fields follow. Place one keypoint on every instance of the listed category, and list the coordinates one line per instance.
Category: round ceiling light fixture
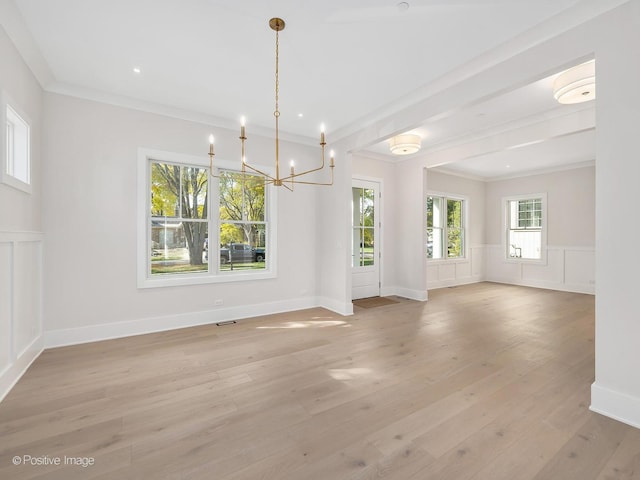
(405, 144)
(576, 85)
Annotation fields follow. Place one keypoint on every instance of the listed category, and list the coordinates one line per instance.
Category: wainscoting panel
(580, 267)
(570, 269)
(6, 339)
(551, 273)
(20, 305)
(449, 273)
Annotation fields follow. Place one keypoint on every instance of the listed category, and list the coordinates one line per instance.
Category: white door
(365, 239)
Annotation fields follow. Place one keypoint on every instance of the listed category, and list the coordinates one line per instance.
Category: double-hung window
(525, 227)
(243, 226)
(197, 228)
(445, 227)
(16, 170)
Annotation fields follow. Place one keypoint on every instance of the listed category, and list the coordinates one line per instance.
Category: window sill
(159, 281)
(526, 261)
(15, 183)
(446, 261)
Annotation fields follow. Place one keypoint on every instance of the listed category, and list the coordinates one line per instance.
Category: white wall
(570, 262)
(90, 220)
(616, 391)
(409, 215)
(444, 273)
(333, 254)
(20, 232)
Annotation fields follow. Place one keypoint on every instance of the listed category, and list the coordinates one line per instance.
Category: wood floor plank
(586, 453)
(482, 382)
(624, 464)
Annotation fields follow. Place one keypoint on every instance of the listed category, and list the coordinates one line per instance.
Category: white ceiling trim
(543, 171)
(13, 24)
(527, 173)
(582, 119)
(517, 138)
(555, 26)
(169, 111)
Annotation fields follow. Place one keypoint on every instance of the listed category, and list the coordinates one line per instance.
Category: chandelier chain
(277, 113)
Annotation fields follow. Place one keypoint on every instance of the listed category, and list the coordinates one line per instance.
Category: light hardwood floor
(483, 382)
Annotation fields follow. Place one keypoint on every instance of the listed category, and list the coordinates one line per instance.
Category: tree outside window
(179, 218)
(243, 226)
(199, 228)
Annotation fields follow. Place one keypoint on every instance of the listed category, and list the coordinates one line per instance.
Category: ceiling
(340, 62)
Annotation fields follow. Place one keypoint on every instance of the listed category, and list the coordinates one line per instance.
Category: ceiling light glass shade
(576, 85)
(405, 144)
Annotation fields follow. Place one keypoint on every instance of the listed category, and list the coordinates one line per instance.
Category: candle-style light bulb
(292, 164)
(211, 139)
(331, 163)
(322, 134)
(242, 133)
(243, 121)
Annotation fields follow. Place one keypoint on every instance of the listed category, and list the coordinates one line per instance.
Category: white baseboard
(96, 333)
(616, 405)
(341, 308)
(562, 287)
(14, 372)
(454, 282)
(419, 295)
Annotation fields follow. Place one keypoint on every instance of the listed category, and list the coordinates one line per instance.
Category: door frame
(361, 181)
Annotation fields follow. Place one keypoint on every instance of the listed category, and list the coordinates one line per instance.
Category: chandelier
(288, 181)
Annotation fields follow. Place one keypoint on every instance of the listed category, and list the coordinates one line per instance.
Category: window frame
(445, 227)
(506, 228)
(6, 178)
(213, 274)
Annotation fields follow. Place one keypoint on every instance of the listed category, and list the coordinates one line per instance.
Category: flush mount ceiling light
(576, 85)
(405, 144)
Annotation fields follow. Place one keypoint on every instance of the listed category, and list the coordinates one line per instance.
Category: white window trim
(506, 227)
(5, 177)
(465, 227)
(144, 278)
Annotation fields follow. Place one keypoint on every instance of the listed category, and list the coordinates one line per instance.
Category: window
(197, 228)
(525, 221)
(17, 150)
(179, 219)
(364, 229)
(445, 227)
(243, 229)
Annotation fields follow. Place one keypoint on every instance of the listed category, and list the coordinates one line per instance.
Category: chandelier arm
(291, 179)
(290, 188)
(260, 172)
(311, 170)
(304, 173)
(211, 155)
(297, 182)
